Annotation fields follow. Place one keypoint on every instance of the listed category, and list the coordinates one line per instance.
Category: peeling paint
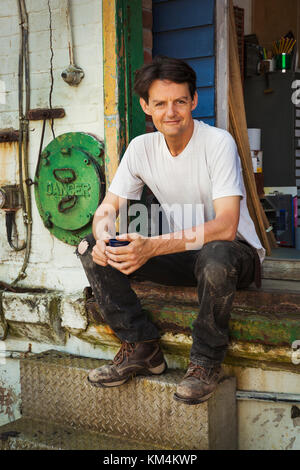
(256, 418)
(279, 414)
(9, 403)
(290, 446)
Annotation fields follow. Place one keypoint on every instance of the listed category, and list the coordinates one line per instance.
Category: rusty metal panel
(45, 113)
(9, 135)
(55, 388)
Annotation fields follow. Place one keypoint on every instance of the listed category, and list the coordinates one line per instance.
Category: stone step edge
(271, 329)
(34, 434)
(176, 348)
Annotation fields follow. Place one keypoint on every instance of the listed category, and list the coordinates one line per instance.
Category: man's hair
(163, 68)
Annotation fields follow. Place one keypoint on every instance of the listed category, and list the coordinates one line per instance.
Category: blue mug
(114, 242)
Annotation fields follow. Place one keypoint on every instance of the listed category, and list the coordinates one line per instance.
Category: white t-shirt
(207, 169)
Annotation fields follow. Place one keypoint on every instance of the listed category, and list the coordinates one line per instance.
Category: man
(186, 162)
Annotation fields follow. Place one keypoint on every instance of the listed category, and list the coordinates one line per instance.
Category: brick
(83, 35)
(9, 118)
(147, 4)
(59, 23)
(9, 8)
(147, 56)
(11, 101)
(83, 53)
(30, 308)
(39, 21)
(77, 113)
(86, 14)
(73, 312)
(39, 41)
(40, 62)
(147, 19)
(9, 45)
(9, 64)
(10, 81)
(37, 6)
(6, 25)
(35, 316)
(39, 98)
(147, 39)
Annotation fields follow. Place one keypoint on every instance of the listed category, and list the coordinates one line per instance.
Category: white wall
(52, 263)
(247, 5)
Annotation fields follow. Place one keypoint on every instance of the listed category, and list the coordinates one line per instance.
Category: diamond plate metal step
(28, 434)
(55, 389)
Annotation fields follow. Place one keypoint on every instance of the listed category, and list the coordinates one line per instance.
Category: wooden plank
(238, 127)
(112, 117)
(182, 14)
(186, 44)
(222, 114)
(205, 70)
(288, 270)
(206, 103)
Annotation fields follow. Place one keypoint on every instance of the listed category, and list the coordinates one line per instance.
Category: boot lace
(199, 372)
(125, 351)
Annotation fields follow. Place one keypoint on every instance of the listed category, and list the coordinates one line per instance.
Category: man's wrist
(166, 244)
(152, 246)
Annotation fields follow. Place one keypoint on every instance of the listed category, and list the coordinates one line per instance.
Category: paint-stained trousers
(217, 270)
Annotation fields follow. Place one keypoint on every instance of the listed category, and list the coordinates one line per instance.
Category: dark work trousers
(217, 270)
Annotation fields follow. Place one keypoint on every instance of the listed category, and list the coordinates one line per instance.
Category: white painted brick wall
(52, 263)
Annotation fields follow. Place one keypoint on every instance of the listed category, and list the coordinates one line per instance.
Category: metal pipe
(27, 215)
(268, 396)
(24, 133)
(69, 29)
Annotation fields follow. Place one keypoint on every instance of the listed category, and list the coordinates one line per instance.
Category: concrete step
(29, 434)
(54, 389)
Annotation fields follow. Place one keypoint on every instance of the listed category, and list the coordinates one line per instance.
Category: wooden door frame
(122, 55)
(222, 64)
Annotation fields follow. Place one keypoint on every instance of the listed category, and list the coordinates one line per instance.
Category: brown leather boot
(198, 384)
(145, 358)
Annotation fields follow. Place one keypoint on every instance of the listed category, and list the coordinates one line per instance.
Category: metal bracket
(40, 114)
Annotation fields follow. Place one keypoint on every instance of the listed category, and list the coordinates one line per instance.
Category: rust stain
(8, 153)
(104, 329)
(7, 401)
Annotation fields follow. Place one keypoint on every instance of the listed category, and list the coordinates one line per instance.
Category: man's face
(170, 105)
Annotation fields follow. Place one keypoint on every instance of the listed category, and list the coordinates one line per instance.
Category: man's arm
(223, 227)
(104, 227)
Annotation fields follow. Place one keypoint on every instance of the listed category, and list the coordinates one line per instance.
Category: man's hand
(98, 253)
(129, 258)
